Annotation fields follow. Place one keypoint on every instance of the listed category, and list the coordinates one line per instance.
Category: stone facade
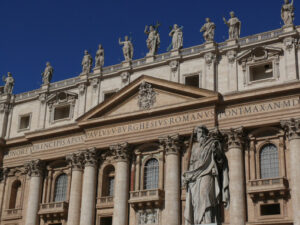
(110, 146)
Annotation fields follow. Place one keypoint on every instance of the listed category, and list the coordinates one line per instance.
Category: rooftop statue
(127, 48)
(47, 74)
(99, 59)
(234, 25)
(206, 180)
(153, 40)
(287, 12)
(9, 83)
(208, 30)
(177, 37)
(87, 62)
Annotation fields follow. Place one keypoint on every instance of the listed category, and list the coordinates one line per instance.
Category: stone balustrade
(143, 198)
(12, 214)
(105, 202)
(54, 209)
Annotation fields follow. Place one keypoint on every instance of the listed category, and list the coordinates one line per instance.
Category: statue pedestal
(149, 59)
(97, 70)
(288, 28)
(175, 52)
(232, 42)
(45, 87)
(126, 64)
(210, 44)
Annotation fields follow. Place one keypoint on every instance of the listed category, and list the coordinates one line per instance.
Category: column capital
(171, 144)
(75, 160)
(35, 168)
(291, 127)
(120, 151)
(235, 137)
(90, 157)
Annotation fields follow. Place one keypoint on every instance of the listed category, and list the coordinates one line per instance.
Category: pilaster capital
(120, 151)
(292, 128)
(235, 137)
(90, 157)
(75, 160)
(35, 168)
(171, 144)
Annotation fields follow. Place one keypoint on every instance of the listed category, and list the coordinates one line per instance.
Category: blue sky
(36, 31)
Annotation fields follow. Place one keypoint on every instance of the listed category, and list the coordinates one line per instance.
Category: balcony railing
(270, 186)
(147, 197)
(105, 202)
(54, 209)
(10, 214)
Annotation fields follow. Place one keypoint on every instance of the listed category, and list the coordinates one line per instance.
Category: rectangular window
(192, 81)
(108, 95)
(62, 112)
(106, 221)
(24, 122)
(261, 72)
(269, 210)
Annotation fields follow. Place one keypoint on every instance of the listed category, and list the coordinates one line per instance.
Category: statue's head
(47, 63)
(207, 20)
(175, 26)
(151, 28)
(86, 52)
(100, 46)
(200, 132)
(126, 38)
(9, 74)
(232, 14)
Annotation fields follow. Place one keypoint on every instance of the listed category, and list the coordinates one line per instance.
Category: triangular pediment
(147, 95)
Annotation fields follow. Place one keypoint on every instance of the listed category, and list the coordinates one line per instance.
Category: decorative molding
(82, 88)
(35, 168)
(75, 160)
(174, 65)
(209, 58)
(292, 128)
(259, 54)
(125, 77)
(90, 157)
(290, 43)
(95, 83)
(147, 96)
(231, 56)
(172, 144)
(5, 107)
(42, 97)
(235, 138)
(120, 151)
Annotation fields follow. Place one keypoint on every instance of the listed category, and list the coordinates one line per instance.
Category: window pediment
(259, 54)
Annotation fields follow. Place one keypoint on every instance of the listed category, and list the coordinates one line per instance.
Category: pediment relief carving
(259, 54)
(62, 98)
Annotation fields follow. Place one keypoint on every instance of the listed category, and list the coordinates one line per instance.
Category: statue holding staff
(207, 179)
(127, 48)
(153, 40)
(99, 59)
(287, 12)
(9, 83)
(87, 62)
(177, 37)
(234, 25)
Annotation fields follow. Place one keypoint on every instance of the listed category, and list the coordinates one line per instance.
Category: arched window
(61, 186)
(151, 174)
(269, 165)
(108, 181)
(15, 195)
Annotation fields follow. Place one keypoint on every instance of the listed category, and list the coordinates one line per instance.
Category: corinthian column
(236, 176)
(76, 162)
(121, 153)
(172, 187)
(34, 169)
(88, 202)
(292, 128)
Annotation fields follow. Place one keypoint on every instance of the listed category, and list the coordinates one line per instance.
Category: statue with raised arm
(234, 25)
(206, 181)
(153, 40)
(177, 37)
(87, 62)
(47, 74)
(287, 12)
(9, 83)
(99, 59)
(127, 48)
(208, 30)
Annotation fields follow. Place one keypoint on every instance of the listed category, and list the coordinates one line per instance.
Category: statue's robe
(204, 188)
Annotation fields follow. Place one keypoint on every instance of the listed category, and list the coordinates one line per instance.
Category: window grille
(61, 186)
(269, 164)
(111, 181)
(151, 174)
